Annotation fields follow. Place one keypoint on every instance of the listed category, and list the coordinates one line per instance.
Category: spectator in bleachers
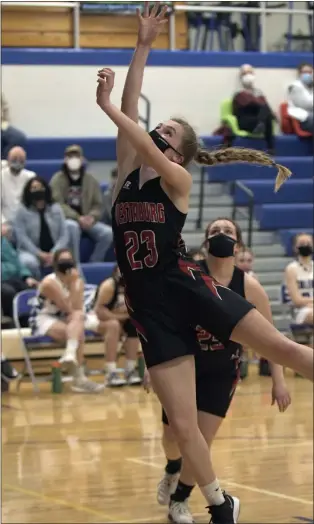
(15, 276)
(59, 314)
(110, 306)
(251, 108)
(244, 259)
(299, 279)
(40, 227)
(107, 202)
(300, 98)
(14, 176)
(10, 136)
(80, 197)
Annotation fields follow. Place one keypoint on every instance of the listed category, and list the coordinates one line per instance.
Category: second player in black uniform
(166, 292)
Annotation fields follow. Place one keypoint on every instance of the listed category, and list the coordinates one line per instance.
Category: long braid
(238, 155)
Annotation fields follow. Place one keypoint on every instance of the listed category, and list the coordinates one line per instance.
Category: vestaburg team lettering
(128, 212)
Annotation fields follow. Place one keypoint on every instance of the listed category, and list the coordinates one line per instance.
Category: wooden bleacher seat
(53, 27)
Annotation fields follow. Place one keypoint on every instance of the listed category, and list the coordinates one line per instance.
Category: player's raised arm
(150, 25)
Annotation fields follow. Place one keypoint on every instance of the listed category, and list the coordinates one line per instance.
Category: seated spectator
(299, 280)
(15, 277)
(10, 136)
(244, 260)
(40, 227)
(300, 97)
(252, 109)
(80, 197)
(110, 305)
(13, 179)
(107, 198)
(59, 314)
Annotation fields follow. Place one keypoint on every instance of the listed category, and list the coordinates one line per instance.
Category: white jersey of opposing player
(304, 277)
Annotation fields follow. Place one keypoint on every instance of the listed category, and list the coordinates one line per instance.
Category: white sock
(130, 365)
(79, 374)
(111, 367)
(213, 493)
(3, 358)
(72, 346)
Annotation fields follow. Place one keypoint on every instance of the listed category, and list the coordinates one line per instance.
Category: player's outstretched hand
(105, 86)
(281, 396)
(150, 23)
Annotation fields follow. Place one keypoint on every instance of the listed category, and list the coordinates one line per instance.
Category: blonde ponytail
(237, 155)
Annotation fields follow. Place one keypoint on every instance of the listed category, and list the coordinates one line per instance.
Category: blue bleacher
(293, 191)
(96, 273)
(284, 216)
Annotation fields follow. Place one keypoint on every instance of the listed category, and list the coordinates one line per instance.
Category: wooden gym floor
(94, 459)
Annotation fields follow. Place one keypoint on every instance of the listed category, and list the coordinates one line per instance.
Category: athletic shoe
(166, 488)
(132, 378)
(226, 513)
(87, 386)
(68, 357)
(179, 512)
(8, 372)
(114, 380)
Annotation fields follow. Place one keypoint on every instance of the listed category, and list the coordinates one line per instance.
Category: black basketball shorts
(129, 328)
(174, 304)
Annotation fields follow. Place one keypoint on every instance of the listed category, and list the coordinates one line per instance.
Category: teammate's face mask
(221, 246)
(63, 266)
(305, 251)
(161, 142)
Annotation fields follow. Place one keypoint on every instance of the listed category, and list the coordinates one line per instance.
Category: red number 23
(133, 241)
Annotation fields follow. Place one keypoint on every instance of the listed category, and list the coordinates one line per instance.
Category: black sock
(173, 466)
(182, 492)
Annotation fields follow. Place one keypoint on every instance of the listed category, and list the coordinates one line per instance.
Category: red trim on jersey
(139, 328)
(210, 282)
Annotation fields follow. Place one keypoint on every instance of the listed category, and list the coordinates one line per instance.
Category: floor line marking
(60, 502)
(234, 484)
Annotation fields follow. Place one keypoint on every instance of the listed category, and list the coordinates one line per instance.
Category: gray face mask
(16, 167)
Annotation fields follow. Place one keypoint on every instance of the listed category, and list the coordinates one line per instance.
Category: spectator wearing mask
(107, 199)
(80, 197)
(10, 136)
(252, 109)
(40, 227)
(14, 176)
(15, 277)
(299, 280)
(300, 97)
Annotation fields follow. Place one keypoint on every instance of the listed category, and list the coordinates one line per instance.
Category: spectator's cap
(73, 149)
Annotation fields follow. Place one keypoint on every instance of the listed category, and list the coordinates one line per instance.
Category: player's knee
(78, 316)
(113, 327)
(182, 427)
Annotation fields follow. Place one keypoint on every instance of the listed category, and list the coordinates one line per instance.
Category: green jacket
(10, 263)
(92, 199)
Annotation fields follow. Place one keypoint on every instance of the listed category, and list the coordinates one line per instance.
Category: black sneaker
(7, 371)
(226, 513)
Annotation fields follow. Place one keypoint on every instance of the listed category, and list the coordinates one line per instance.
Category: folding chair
(301, 333)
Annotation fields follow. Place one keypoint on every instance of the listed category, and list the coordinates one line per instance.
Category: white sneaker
(179, 512)
(115, 381)
(166, 488)
(133, 378)
(68, 357)
(87, 386)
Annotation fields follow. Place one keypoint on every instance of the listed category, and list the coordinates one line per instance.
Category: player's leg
(73, 334)
(111, 331)
(131, 347)
(168, 483)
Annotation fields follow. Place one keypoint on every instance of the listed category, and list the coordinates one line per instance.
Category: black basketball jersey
(147, 232)
(212, 353)
(117, 297)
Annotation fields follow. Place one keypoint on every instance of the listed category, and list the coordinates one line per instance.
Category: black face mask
(65, 265)
(221, 246)
(161, 143)
(38, 195)
(305, 251)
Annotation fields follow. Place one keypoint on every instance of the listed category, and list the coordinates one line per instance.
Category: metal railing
(250, 206)
(146, 119)
(263, 10)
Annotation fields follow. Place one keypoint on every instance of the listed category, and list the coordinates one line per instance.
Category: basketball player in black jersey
(110, 304)
(166, 292)
(217, 369)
